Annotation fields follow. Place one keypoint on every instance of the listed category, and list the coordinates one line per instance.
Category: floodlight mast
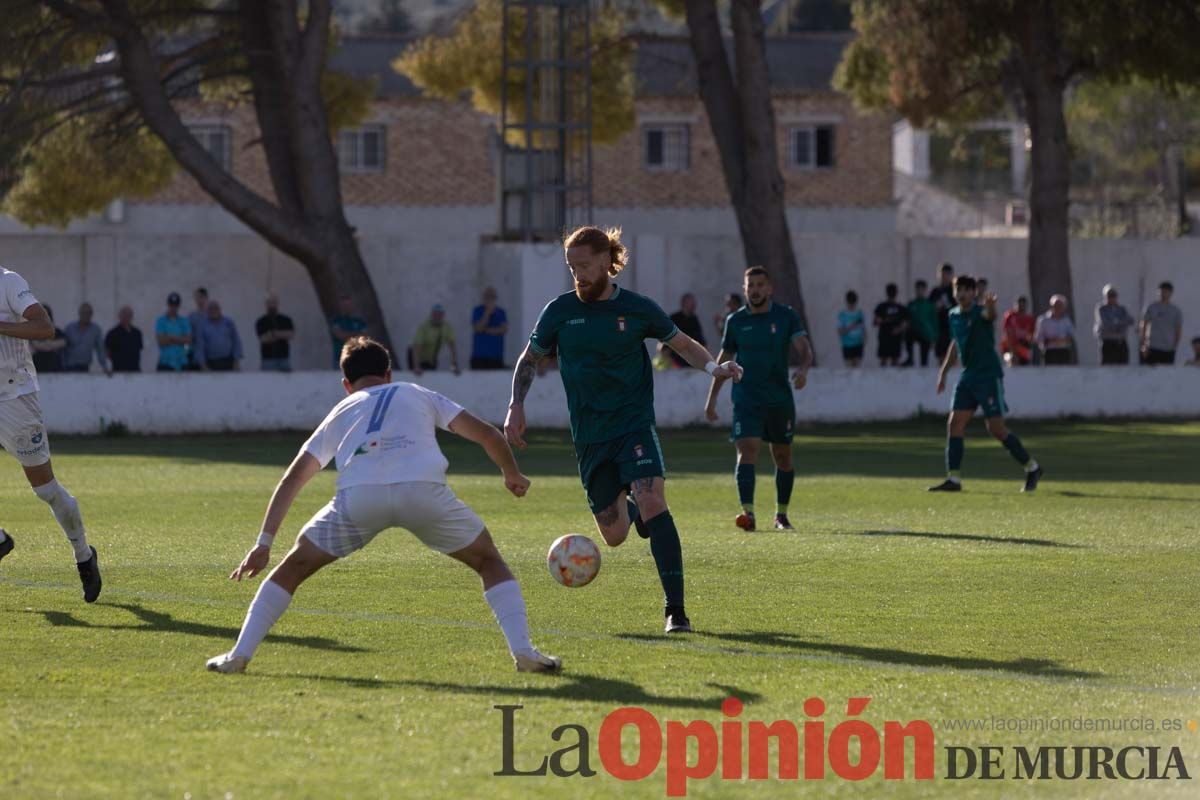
(545, 118)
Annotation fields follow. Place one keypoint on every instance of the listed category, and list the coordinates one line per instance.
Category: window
(811, 146)
(361, 149)
(667, 147)
(216, 140)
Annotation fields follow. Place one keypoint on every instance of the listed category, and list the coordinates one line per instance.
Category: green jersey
(923, 315)
(975, 338)
(761, 343)
(603, 361)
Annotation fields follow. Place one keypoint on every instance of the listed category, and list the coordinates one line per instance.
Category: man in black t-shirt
(124, 343)
(686, 320)
(943, 300)
(891, 319)
(275, 332)
(48, 353)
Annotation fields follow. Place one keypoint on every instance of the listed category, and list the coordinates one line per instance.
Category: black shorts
(855, 352)
(1114, 351)
(1160, 357)
(889, 346)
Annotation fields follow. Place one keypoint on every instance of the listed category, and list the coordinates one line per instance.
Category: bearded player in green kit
(762, 334)
(599, 330)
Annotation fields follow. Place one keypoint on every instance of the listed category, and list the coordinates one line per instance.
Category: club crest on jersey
(621, 324)
(367, 447)
(772, 328)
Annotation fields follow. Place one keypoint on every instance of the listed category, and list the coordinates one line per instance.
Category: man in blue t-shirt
(174, 334)
(490, 323)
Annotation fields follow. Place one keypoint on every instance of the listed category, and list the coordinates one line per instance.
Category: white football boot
(533, 661)
(227, 663)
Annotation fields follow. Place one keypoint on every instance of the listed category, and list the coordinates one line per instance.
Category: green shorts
(987, 391)
(772, 424)
(607, 468)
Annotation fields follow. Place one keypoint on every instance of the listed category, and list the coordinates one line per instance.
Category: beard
(756, 303)
(592, 293)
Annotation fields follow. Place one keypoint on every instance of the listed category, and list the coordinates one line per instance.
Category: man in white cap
(1112, 326)
(1055, 333)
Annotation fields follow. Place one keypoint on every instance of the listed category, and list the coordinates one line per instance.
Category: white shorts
(22, 431)
(430, 511)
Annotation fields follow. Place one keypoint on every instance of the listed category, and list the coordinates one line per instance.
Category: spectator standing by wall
(688, 322)
(48, 353)
(733, 301)
(218, 345)
(891, 319)
(275, 332)
(1019, 327)
(346, 325)
(1055, 333)
(1161, 328)
(922, 330)
(1195, 359)
(196, 321)
(174, 335)
(943, 300)
(490, 323)
(1111, 327)
(84, 340)
(852, 329)
(124, 343)
(428, 340)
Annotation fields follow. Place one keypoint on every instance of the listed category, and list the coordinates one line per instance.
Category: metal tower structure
(545, 118)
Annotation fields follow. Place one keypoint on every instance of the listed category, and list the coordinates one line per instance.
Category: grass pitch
(1077, 603)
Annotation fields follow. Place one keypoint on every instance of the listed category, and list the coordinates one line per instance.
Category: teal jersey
(975, 338)
(761, 343)
(603, 361)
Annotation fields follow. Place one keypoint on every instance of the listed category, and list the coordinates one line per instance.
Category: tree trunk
(742, 120)
(762, 215)
(307, 221)
(1043, 84)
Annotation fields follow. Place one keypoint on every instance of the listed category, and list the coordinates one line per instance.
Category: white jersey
(385, 434)
(17, 375)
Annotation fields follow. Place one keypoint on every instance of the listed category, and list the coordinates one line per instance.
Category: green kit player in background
(973, 339)
(762, 334)
(599, 330)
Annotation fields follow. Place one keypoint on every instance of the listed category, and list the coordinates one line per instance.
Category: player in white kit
(22, 431)
(391, 474)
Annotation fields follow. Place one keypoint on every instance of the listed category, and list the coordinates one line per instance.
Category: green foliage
(76, 170)
(56, 166)
(468, 62)
(930, 60)
(1124, 129)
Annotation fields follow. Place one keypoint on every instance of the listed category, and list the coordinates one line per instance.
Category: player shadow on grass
(158, 622)
(964, 537)
(1152, 497)
(1043, 667)
(567, 687)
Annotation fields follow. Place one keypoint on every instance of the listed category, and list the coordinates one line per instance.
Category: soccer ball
(573, 560)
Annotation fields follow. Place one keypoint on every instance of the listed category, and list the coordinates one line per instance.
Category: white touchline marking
(387, 616)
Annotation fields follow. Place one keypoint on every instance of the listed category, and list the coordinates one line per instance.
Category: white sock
(265, 610)
(66, 511)
(509, 607)
(4, 536)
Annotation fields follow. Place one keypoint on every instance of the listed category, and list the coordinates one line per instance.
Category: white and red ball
(573, 560)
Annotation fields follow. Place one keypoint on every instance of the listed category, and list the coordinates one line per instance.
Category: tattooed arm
(523, 375)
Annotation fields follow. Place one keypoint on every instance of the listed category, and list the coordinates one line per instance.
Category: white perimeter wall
(257, 401)
(418, 257)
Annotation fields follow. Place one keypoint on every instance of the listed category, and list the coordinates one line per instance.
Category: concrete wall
(419, 258)
(258, 401)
